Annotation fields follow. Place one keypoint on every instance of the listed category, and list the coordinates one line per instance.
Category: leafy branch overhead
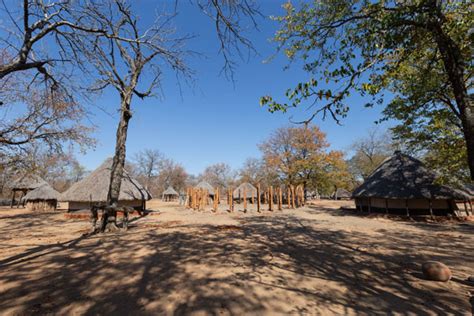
(370, 48)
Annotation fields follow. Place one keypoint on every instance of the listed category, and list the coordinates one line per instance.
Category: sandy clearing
(314, 260)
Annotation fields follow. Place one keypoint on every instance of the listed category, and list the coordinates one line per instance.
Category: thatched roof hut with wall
(342, 194)
(24, 184)
(93, 190)
(169, 194)
(44, 198)
(403, 185)
(206, 186)
(250, 191)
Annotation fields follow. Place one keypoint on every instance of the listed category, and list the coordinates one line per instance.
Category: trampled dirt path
(316, 260)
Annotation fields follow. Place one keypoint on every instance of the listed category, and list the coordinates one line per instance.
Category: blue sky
(214, 120)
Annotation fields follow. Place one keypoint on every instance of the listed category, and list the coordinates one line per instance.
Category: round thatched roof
(28, 182)
(404, 177)
(43, 193)
(205, 185)
(95, 187)
(342, 193)
(170, 191)
(250, 191)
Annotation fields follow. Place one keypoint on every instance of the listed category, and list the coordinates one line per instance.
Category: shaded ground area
(176, 261)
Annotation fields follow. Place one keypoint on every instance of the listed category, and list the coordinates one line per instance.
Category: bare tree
(132, 57)
(38, 118)
(219, 174)
(369, 152)
(147, 164)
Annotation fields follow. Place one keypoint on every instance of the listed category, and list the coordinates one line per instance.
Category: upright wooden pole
(270, 198)
(292, 196)
(245, 199)
(216, 197)
(13, 198)
(280, 198)
(258, 197)
(252, 199)
(406, 206)
(431, 209)
(288, 197)
(231, 200)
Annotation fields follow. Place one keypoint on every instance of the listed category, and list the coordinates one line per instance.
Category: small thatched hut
(206, 186)
(250, 191)
(93, 189)
(24, 184)
(170, 194)
(341, 194)
(44, 198)
(402, 185)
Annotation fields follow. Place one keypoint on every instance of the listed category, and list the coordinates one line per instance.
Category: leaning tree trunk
(454, 65)
(116, 174)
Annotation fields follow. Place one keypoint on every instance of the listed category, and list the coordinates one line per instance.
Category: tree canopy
(419, 51)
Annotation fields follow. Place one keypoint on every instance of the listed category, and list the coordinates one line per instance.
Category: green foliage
(362, 46)
(374, 47)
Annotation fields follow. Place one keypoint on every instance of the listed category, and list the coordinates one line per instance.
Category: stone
(436, 271)
(471, 278)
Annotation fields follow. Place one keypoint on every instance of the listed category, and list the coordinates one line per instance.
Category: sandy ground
(311, 261)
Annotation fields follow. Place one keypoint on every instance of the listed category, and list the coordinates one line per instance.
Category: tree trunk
(454, 65)
(116, 174)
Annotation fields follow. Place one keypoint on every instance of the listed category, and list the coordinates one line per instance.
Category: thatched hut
(24, 184)
(341, 194)
(250, 191)
(402, 185)
(44, 198)
(93, 190)
(206, 186)
(170, 194)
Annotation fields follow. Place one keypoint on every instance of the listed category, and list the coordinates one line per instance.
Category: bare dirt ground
(310, 261)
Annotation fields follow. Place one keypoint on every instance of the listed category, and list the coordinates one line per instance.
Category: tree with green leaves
(374, 47)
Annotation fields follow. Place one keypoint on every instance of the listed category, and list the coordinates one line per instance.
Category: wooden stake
(288, 197)
(258, 197)
(245, 199)
(280, 198)
(216, 196)
(292, 196)
(231, 200)
(270, 198)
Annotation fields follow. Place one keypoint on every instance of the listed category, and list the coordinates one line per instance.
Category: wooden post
(270, 198)
(252, 199)
(245, 199)
(386, 206)
(13, 198)
(280, 198)
(406, 206)
(288, 197)
(231, 197)
(431, 209)
(258, 197)
(292, 196)
(216, 196)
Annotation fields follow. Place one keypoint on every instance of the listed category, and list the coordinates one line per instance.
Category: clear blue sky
(215, 120)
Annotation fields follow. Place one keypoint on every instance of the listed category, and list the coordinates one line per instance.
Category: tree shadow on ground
(267, 264)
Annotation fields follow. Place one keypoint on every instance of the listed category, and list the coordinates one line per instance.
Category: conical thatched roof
(205, 185)
(95, 187)
(170, 191)
(28, 182)
(250, 191)
(43, 193)
(404, 177)
(341, 193)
